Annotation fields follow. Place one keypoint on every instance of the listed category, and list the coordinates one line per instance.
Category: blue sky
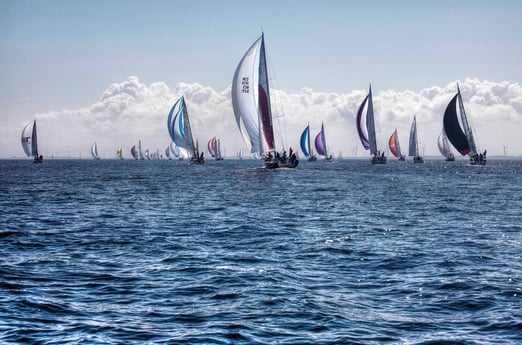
(64, 54)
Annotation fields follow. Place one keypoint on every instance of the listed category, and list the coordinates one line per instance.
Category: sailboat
(30, 142)
(175, 150)
(214, 148)
(306, 146)
(414, 143)
(365, 123)
(94, 151)
(252, 109)
(134, 152)
(320, 145)
(180, 132)
(461, 137)
(119, 153)
(395, 147)
(444, 146)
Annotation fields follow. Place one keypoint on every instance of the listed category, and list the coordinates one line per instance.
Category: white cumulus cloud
(129, 111)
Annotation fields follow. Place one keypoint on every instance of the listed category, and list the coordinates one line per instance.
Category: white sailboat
(365, 123)
(252, 108)
(94, 151)
(413, 149)
(30, 142)
(119, 153)
(444, 146)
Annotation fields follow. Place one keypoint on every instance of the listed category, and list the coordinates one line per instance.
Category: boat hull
(378, 160)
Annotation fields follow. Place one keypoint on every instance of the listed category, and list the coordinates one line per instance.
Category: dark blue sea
(160, 252)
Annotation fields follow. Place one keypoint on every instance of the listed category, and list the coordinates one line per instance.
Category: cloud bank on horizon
(129, 111)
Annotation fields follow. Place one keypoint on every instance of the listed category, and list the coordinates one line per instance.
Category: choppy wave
(113, 252)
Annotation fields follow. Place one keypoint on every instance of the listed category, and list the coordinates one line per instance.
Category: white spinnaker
(27, 139)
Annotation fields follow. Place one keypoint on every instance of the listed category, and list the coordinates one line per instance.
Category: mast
(309, 142)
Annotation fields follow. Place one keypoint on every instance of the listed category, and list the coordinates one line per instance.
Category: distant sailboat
(134, 152)
(320, 145)
(119, 153)
(444, 147)
(30, 142)
(395, 147)
(461, 137)
(214, 148)
(94, 151)
(414, 143)
(365, 123)
(306, 146)
(180, 132)
(252, 107)
(174, 149)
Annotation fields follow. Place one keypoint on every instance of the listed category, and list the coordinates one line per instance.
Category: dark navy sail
(454, 133)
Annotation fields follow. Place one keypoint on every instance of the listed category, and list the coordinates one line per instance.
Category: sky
(109, 71)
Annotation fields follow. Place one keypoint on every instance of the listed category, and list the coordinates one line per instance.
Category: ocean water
(159, 252)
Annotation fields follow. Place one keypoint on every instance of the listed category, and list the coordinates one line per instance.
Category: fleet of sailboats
(251, 103)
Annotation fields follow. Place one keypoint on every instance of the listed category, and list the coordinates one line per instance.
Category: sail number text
(246, 85)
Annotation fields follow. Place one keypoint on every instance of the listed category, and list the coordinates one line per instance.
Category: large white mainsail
(465, 124)
(414, 143)
(413, 149)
